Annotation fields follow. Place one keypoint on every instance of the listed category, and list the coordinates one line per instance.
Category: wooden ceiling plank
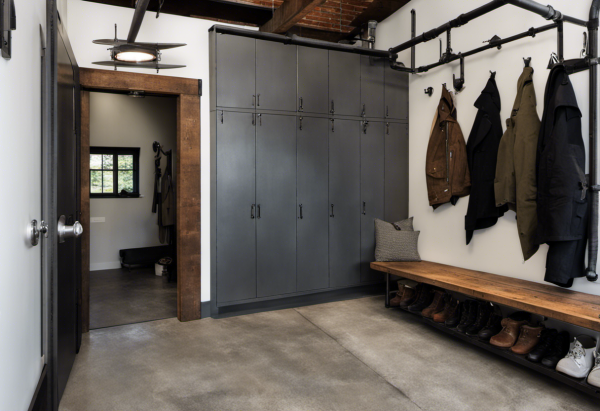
(288, 14)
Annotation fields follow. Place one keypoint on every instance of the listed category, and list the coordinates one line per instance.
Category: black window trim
(116, 151)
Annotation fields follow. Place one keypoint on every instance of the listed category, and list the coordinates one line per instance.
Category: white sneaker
(594, 377)
(580, 359)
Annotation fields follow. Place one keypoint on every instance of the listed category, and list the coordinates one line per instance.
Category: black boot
(425, 299)
(543, 347)
(493, 325)
(469, 315)
(559, 348)
(483, 315)
(453, 321)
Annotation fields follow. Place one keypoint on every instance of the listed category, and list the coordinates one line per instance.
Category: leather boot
(509, 334)
(449, 309)
(395, 302)
(544, 345)
(409, 296)
(558, 349)
(454, 319)
(529, 337)
(425, 298)
(483, 315)
(493, 325)
(436, 306)
(469, 316)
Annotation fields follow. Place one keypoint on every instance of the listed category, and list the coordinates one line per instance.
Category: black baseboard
(39, 402)
(204, 309)
(295, 301)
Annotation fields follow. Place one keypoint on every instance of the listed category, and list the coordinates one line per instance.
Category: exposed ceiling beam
(288, 14)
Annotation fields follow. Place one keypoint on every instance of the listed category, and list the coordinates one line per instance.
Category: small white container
(158, 269)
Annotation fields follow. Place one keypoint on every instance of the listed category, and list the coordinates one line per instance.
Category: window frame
(115, 152)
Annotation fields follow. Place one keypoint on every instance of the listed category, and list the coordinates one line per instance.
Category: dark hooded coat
(562, 200)
(447, 172)
(482, 153)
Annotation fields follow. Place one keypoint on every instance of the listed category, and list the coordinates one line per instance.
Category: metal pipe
(138, 16)
(457, 22)
(493, 44)
(560, 41)
(593, 136)
(413, 33)
(546, 12)
(303, 41)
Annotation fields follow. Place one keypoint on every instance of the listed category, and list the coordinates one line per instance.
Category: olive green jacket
(515, 183)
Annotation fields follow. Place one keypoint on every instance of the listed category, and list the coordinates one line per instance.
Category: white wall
(90, 21)
(20, 278)
(442, 239)
(117, 120)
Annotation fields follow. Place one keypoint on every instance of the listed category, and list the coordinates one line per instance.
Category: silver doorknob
(35, 232)
(68, 231)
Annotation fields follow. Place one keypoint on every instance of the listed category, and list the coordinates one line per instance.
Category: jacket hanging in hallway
(447, 172)
(167, 203)
(562, 200)
(515, 183)
(482, 153)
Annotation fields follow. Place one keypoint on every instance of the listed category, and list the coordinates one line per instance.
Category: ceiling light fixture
(134, 54)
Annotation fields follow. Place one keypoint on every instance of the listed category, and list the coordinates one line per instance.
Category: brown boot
(408, 297)
(508, 336)
(528, 339)
(449, 310)
(436, 306)
(395, 302)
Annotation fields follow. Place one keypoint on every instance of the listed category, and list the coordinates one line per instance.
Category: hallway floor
(120, 296)
(349, 355)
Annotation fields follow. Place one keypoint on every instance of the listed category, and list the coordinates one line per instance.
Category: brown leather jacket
(446, 165)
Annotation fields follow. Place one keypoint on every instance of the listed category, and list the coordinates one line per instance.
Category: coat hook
(492, 74)
(459, 83)
(527, 61)
(429, 91)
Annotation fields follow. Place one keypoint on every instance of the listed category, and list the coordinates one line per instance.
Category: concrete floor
(120, 296)
(350, 355)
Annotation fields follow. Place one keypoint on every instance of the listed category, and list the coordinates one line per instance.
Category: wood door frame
(188, 93)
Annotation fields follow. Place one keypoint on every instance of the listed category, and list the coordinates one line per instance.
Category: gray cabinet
(396, 172)
(344, 83)
(396, 94)
(276, 204)
(236, 240)
(372, 86)
(312, 204)
(275, 76)
(372, 172)
(344, 199)
(313, 80)
(235, 71)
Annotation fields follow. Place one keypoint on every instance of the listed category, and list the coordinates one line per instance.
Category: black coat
(561, 182)
(482, 153)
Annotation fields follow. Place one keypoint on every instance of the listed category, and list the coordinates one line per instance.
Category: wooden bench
(561, 304)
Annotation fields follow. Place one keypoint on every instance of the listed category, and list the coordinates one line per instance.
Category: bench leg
(387, 290)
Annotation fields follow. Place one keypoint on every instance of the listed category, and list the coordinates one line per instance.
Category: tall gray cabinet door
(275, 76)
(236, 232)
(344, 83)
(372, 171)
(313, 80)
(313, 204)
(276, 204)
(396, 94)
(344, 199)
(371, 86)
(235, 57)
(396, 172)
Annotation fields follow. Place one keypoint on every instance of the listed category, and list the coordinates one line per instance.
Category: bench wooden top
(561, 304)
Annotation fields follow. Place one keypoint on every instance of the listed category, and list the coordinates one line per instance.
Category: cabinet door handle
(364, 111)
(301, 216)
(258, 100)
(332, 111)
(252, 212)
(301, 107)
(259, 119)
(253, 100)
(253, 119)
(364, 212)
(387, 111)
(332, 215)
(258, 211)
(387, 128)
(332, 125)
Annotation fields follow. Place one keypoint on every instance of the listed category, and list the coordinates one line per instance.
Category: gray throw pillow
(406, 225)
(392, 244)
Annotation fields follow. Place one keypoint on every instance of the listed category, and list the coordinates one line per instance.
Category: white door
(21, 353)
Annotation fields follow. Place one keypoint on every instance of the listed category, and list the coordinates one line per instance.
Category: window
(114, 172)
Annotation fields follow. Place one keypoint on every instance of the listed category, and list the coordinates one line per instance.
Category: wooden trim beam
(288, 14)
(85, 211)
(96, 79)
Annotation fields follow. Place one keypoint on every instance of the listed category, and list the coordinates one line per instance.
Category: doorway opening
(133, 275)
(128, 146)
